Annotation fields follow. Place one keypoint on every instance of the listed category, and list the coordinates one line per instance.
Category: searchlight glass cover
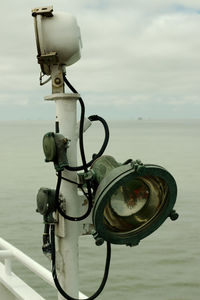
(134, 204)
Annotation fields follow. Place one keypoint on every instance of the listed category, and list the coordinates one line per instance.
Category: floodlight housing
(131, 200)
(58, 38)
(46, 204)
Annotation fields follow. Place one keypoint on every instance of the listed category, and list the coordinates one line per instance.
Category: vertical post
(68, 231)
(8, 267)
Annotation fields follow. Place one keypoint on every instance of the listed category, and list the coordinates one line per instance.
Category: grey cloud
(144, 51)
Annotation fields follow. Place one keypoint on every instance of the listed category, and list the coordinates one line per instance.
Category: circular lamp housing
(58, 38)
(132, 201)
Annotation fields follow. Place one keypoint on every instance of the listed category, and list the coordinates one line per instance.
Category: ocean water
(166, 264)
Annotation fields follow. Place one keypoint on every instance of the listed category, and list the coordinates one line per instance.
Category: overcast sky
(140, 58)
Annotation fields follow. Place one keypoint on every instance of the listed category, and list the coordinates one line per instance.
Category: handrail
(11, 251)
(32, 265)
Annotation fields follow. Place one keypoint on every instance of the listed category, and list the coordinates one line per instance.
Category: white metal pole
(68, 231)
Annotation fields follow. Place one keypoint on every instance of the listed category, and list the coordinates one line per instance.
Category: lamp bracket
(49, 58)
(46, 62)
(57, 78)
(46, 11)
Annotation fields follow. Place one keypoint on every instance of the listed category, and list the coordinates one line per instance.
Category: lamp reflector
(134, 204)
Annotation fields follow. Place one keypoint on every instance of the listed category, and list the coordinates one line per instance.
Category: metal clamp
(46, 11)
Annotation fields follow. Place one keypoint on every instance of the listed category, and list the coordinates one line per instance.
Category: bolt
(99, 241)
(133, 243)
(57, 81)
(174, 215)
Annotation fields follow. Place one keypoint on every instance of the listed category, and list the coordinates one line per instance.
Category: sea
(166, 264)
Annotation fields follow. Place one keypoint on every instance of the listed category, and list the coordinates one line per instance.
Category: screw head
(57, 80)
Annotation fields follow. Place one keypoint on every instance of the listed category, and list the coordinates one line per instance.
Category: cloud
(161, 57)
(134, 52)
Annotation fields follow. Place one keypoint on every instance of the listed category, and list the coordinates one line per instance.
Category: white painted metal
(87, 124)
(68, 240)
(32, 265)
(12, 287)
(5, 253)
(60, 34)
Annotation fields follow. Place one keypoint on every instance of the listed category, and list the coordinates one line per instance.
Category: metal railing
(7, 253)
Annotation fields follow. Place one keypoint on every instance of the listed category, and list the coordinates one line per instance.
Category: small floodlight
(131, 200)
(58, 38)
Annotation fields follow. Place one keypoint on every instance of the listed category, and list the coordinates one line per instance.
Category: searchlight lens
(134, 204)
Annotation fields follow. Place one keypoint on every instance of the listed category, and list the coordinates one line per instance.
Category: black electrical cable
(69, 180)
(101, 151)
(91, 118)
(80, 186)
(89, 196)
(94, 118)
(128, 161)
(81, 145)
(55, 278)
(75, 219)
(85, 164)
(81, 124)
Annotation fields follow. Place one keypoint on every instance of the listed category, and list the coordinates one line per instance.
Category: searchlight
(132, 200)
(58, 38)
